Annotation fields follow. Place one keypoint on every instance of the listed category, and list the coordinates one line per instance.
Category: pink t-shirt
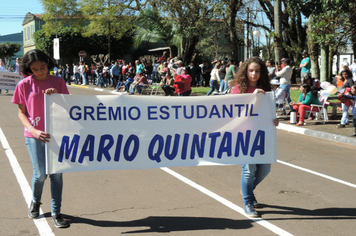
(28, 92)
(236, 89)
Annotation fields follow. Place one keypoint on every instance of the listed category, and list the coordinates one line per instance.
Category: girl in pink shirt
(29, 96)
(252, 77)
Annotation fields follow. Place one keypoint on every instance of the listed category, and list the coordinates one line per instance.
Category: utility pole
(248, 34)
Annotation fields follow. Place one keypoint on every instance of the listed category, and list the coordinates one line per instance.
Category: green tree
(331, 29)
(151, 27)
(8, 50)
(109, 18)
(72, 41)
(191, 20)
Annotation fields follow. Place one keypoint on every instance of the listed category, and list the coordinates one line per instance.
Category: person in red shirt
(182, 82)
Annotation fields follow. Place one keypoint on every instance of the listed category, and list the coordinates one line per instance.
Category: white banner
(56, 49)
(9, 80)
(140, 132)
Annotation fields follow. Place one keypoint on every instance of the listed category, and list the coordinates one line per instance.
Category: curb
(318, 134)
(281, 126)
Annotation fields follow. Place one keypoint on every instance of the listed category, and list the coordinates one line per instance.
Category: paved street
(310, 191)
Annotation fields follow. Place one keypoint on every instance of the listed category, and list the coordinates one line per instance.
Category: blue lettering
(259, 143)
(114, 114)
(165, 111)
(138, 113)
(251, 111)
(191, 112)
(205, 111)
(67, 150)
(214, 112)
(225, 110)
(151, 112)
(87, 149)
(244, 143)
(118, 147)
(185, 146)
(176, 110)
(99, 112)
(239, 106)
(136, 142)
(88, 111)
(195, 145)
(173, 154)
(213, 137)
(78, 114)
(104, 149)
(225, 145)
(156, 156)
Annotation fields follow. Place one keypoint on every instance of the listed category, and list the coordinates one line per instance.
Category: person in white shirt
(285, 75)
(279, 93)
(214, 77)
(353, 70)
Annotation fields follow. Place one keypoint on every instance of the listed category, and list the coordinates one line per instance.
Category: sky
(12, 13)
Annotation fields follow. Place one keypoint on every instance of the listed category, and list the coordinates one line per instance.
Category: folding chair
(281, 106)
(321, 110)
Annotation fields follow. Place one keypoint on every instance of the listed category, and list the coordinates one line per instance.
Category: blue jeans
(345, 114)
(84, 76)
(36, 150)
(222, 85)
(226, 86)
(251, 176)
(354, 122)
(76, 78)
(140, 87)
(155, 78)
(286, 88)
(127, 86)
(213, 85)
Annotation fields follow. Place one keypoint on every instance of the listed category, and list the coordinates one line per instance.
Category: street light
(257, 34)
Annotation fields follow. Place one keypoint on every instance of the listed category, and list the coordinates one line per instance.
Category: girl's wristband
(30, 128)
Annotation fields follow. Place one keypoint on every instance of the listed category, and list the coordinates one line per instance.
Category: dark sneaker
(250, 210)
(255, 204)
(59, 222)
(353, 135)
(340, 126)
(34, 210)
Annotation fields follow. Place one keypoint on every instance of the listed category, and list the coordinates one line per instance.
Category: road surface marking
(227, 203)
(41, 223)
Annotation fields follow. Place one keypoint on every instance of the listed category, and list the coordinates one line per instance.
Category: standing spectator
(55, 70)
(121, 78)
(271, 69)
(230, 74)
(93, 73)
(114, 72)
(194, 73)
(351, 96)
(222, 74)
(353, 70)
(148, 70)
(30, 100)
(139, 67)
(348, 82)
(81, 71)
(305, 66)
(17, 66)
(124, 70)
(180, 68)
(76, 73)
(67, 74)
(214, 76)
(285, 75)
(155, 65)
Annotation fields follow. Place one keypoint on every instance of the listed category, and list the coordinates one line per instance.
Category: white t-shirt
(285, 74)
(353, 70)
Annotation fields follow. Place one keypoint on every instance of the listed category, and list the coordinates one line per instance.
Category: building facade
(31, 24)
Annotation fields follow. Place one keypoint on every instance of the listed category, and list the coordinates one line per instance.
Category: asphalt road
(186, 201)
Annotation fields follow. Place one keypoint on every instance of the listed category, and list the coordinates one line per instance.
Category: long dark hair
(242, 79)
(307, 89)
(33, 56)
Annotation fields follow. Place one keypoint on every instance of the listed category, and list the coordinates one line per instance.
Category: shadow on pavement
(333, 213)
(161, 224)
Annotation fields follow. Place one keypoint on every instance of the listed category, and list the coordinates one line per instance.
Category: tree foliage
(8, 50)
(71, 42)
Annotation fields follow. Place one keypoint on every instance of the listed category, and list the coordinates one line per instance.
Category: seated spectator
(141, 83)
(311, 81)
(167, 85)
(306, 98)
(128, 82)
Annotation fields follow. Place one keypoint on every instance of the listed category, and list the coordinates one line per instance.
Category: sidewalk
(327, 131)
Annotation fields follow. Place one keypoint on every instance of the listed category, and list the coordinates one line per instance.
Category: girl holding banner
(29, 95)
(252, 77)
